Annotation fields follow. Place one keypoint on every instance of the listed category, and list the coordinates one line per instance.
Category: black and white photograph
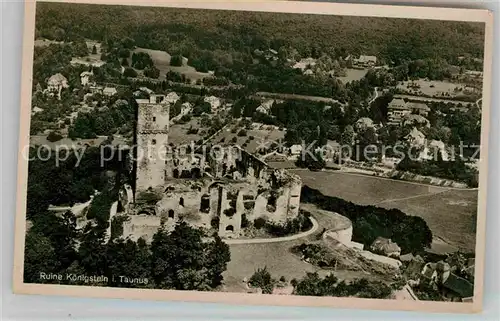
(257, 154)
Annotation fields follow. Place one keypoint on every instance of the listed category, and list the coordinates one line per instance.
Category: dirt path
(276, 239)
(409, 197)
(376, 96)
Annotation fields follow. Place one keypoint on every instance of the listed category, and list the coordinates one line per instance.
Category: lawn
(450, 214)
(263, 136)
(178, 133)
(161, 60)
(434, 88)
(353, 74)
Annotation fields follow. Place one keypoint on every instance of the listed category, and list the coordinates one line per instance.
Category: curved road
(376, 96)
(276, 239)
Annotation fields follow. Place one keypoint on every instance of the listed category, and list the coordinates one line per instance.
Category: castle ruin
(213, 188)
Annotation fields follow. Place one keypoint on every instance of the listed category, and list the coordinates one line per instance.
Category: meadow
(450, 213)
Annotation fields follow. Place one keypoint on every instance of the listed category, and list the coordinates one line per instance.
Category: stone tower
(152, 140)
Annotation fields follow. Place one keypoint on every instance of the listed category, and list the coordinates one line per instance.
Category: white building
(265, 107)
(295, 151)
(109, 91)
(213, 101)
(85, 77)
(56, 83)
(172, 98)
(186, 108)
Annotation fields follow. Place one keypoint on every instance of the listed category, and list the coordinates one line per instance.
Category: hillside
(188, 30)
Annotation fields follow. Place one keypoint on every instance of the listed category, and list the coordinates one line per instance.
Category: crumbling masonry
(220, 189)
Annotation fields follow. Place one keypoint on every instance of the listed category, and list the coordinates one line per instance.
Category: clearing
(161, 60)
(437, 89)
(353, 74)
(450, 213)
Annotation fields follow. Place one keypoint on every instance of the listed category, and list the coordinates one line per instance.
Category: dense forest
(166, 29)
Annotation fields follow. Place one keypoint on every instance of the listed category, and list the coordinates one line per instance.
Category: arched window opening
(170, 213)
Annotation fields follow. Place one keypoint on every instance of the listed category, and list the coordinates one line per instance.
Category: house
(433, 148)
(56, 83)
(415, 138)
(213, 101)
(396, 111)
(365, 61)
(474, 74)
(109, 91)
(265, 107)
(96, 89)
(295, 151)
(36, 110)
(416, 120)
(186, 108)
(364, 123)
(146, 90)
(452, 287)
(418, 108)
(172, 98)
(386, 247)
(304, 64)
(85, 77)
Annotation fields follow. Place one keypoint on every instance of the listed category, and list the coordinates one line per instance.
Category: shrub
(242, 133)
(129, 72)
(54, 137)
(215, 223)
(244, 221)
(262, 279)
(192, 130)
(259, 223)
(176, 60)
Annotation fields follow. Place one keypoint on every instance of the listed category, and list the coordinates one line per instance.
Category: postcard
(262, 152)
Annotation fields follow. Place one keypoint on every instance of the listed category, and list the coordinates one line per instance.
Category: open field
(450, 213)
(262, 94)
(161, 60)
(353, 74)
(421, 98)
(178, 133)
(436, 88)
(263, 136)
(46, 42)
(279, 260)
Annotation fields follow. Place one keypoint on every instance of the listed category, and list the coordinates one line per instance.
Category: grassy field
(161, 60)
(353, 74)
(449, 213)
(178, 133)
(262, 136)
(436, 88)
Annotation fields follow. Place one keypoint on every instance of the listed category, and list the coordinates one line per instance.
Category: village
(268, 191)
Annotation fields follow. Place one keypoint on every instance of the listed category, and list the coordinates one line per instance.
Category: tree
(129, 72)
(94, 50)
(347, 139)
(152, 72)
(182, 261)
(54, 136)
(124, 62)
(313, 162)
(39, 257)
(176, 60)
(262, 279)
